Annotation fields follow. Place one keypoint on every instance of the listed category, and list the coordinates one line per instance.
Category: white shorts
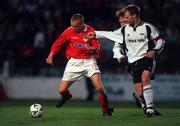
(77, 68)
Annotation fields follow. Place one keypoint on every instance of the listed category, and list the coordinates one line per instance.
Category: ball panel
(36, 110)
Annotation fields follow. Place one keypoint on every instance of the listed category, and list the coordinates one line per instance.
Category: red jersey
(75, 43)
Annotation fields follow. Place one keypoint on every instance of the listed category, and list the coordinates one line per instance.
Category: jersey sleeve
(57, 45)
(117, 49)
(154, 32)
(95, 43)
(112, 35)
(158, 41)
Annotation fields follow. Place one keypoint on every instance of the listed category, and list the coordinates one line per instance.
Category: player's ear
(134, 16)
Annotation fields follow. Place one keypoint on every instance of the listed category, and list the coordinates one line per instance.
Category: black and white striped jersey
(136, 41)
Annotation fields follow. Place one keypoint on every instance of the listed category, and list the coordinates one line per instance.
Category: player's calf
(137, 100)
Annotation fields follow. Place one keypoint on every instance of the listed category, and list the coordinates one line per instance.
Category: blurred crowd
(29, 27)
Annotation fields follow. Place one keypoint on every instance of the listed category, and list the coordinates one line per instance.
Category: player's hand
(49, 60)
(151, 54)
(122, 59)
(90, 35)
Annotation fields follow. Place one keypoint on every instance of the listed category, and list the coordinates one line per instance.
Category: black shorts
(139, 66)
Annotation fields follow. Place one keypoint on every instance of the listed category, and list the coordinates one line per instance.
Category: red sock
(103, 100)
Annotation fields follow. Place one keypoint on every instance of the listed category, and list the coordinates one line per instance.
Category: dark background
(28, 28)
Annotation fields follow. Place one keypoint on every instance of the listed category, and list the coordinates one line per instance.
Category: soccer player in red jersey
(81, 53)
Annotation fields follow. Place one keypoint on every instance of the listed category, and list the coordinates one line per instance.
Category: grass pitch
(81, 113)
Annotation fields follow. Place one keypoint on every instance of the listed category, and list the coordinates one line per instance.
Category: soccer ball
(36, 110)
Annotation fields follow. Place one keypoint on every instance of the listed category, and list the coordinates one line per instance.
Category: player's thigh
(137, 76)
(64, 85)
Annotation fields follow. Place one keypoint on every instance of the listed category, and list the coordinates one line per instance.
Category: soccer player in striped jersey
(141, 43)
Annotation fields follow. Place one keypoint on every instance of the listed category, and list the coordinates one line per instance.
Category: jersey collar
(85, 27)
(140, 23)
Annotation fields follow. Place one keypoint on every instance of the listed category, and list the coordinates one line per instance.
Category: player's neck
(82, 29)
(137, 22)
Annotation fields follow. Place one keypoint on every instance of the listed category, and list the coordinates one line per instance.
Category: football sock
(143, 104)
(65, 94)
(148, 95)
(103, 100)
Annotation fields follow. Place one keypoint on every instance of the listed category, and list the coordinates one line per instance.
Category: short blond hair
(132, 9)
(120, 13)
(77, 17)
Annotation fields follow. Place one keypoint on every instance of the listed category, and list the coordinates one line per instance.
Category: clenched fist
(49, 59)
(90, 35)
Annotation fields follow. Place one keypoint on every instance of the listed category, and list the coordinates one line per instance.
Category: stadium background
(29, 27)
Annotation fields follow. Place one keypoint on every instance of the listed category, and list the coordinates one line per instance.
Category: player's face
(122, 20)
(77, 25)
(130, 18)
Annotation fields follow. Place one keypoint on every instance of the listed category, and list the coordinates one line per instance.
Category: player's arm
(115, 36)
(159, 42)
(117, 50)
(93, 44)
(94, 47)
(57, 45)
(159, 45)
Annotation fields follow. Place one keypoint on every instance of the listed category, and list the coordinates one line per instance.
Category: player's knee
(145, 78)
(145, 81)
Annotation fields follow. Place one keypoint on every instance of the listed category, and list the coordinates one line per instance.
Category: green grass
(80, 113)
